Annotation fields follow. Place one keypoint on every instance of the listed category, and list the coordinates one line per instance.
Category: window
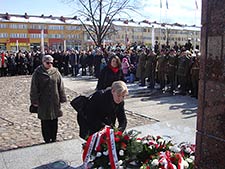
(37, 26)
(56, 27)
(18, 35)
(2, 26)
(75, 36)
(22, 26)
(18, 26)
(56, 36)
(73, 27)
(3, 35)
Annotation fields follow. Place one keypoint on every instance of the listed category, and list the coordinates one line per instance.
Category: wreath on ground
(111, 148)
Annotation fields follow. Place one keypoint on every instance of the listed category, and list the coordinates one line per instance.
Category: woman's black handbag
(33, 109)
(79, 103)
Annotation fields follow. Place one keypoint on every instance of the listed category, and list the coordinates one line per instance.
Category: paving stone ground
(19, 128)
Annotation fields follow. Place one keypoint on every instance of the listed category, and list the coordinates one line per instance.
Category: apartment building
(30, 32)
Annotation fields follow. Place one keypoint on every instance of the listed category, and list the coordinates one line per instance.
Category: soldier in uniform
(172, 68)
(142, 58)
(183, 70)
(161, 69)
(194, 72)
(150, 68)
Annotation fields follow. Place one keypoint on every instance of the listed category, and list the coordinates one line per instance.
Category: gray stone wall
(210, 137)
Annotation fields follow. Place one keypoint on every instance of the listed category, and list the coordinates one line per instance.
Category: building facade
(23, 32)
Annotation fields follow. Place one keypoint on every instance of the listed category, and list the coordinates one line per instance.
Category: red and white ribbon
(95, 140)
(88, 149)
(112, 148)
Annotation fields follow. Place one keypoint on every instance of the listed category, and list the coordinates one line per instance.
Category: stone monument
(210, 137)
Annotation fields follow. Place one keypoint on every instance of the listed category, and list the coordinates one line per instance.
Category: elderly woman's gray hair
(47, 58)
(120, 87)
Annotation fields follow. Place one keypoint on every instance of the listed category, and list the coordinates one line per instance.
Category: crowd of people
(169, 69)
(174, 68)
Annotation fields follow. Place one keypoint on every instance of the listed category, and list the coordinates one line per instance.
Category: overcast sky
(180, 11)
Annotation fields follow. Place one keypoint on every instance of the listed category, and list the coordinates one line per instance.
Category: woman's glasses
(49, 63)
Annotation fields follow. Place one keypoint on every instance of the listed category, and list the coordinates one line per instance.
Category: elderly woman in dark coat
(112, 72)
(104, 108)
(47, 92)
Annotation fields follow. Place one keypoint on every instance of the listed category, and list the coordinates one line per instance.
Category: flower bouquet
(113, 149)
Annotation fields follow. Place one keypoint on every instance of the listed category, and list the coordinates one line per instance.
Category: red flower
(118, 133)
(123, 146)
(117, 139)
(158, 137)
(126, 137)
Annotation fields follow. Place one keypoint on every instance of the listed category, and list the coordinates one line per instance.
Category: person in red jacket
(112, 72)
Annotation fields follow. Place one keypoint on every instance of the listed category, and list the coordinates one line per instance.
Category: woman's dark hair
(117, 60)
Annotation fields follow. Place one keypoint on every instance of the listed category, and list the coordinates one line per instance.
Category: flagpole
(160, 22)
(42, 41)
(196, 8)
(64, 46)
(153, 37)
(17, 46)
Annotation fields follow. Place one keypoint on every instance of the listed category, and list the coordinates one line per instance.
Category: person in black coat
(103, 109)
(112, 72)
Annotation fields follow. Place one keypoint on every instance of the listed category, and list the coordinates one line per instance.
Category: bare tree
(100, 14)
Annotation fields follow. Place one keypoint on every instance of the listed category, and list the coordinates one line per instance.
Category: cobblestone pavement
(19, 128)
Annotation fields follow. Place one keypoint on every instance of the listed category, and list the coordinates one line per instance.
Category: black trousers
(49, 130)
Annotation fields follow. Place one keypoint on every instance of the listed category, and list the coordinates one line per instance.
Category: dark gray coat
(47, 91)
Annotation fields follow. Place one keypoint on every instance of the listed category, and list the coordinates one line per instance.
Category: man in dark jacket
(47, 92)
(103, 109)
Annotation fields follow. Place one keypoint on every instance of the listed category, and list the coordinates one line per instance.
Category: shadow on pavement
(58, 165)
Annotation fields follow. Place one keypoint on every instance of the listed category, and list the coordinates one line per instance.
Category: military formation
(169, 69)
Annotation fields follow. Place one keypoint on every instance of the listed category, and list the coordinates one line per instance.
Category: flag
(160, 3)
(196, 4)
(167, 4)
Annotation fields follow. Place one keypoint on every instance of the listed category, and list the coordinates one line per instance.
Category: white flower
(160, 140)
(185, 163)
(150, 147)
(106, 152)
(138, 140)
(99, 154)
(121, 153)
(174, 166)
(155, 162)
(192, 158)
(145, 142)
(188, 150)
(175, 149)
(100, 167)
(189, 160)
(120, 162)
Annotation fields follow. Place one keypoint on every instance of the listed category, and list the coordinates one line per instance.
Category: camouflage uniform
(150, 69)
(141, 67)
(195, 76)
(183, 71)
(161, 69)
(172, 67)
